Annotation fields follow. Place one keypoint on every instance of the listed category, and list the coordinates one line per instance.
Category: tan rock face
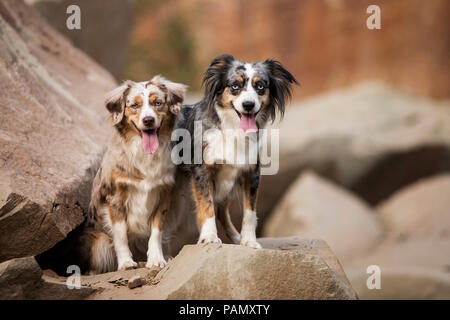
(53, 130)
(316, 208)
(292, 268)
(236, 272)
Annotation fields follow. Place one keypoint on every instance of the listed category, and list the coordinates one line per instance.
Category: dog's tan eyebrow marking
(153, 97)
(256, 79)
(138, 100)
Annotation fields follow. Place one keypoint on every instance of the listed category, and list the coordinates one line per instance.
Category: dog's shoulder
(186, 116)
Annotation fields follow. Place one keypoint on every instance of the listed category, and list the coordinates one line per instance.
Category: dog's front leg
(120, 237)
(155, 255)
(203, 196)
(249, 222)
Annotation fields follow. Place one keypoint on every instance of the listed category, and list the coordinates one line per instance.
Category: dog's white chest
(141, 204)
(229, 144)
(158, 171)
(224, 181)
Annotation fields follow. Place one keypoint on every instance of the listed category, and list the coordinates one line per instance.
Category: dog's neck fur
(151, 167)
(228, 118)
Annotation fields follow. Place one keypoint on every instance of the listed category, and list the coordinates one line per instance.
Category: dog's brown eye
(135, 105)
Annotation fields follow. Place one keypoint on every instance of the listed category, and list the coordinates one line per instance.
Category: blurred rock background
(365, 145)
(324, 43)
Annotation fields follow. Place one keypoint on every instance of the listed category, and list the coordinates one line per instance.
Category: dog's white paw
(127, 265)
(251, 243)
(155, 261)
(209, 238)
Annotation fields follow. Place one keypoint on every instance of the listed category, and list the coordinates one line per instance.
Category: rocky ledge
(288, 268)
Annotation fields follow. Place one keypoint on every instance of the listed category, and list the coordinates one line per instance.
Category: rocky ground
(287, 268)
(364, 169)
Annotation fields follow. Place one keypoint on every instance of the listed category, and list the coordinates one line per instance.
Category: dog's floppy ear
(215, 76)
(280, 85)
(175, 93)
(115, 101)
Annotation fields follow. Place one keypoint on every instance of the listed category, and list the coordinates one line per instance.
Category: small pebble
(136, 281)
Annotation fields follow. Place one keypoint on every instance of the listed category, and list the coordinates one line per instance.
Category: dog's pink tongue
(248, 123)
(150, 142)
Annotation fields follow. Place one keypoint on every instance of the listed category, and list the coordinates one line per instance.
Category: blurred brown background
(325, 43)
(365, 145)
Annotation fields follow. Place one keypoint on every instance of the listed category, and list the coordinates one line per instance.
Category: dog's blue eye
(260, 87)
(234, 87)
(157, 103)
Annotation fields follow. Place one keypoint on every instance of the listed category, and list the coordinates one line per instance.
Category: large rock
(421, 210)
(413, 257)
(23, 279)
(413, 269)
(369, 138)
(53, 132)
(316, 208)
(404, 284)
(297, 269)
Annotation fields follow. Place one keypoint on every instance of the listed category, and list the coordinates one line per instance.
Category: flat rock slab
(292, 269)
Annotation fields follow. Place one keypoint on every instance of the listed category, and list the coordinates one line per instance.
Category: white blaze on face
(248, 94)
(147, 110)
(150, 141)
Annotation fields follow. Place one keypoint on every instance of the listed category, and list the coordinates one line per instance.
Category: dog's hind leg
(223, 213)
(249, 221)
(203, 195)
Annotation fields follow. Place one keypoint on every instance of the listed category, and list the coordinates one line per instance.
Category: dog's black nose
(148, 121)
(248, 105)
